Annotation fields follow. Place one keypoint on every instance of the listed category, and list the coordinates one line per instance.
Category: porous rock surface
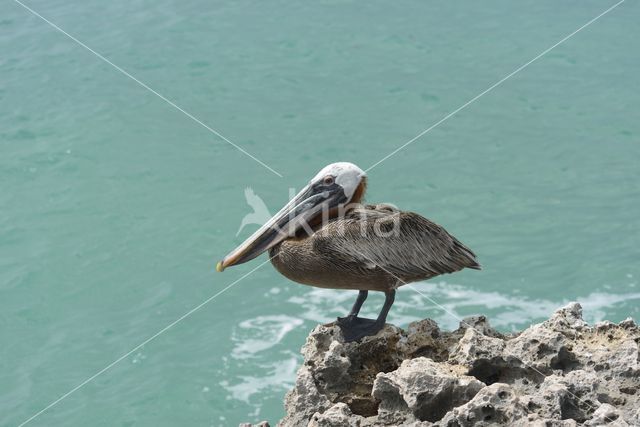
(561, 372)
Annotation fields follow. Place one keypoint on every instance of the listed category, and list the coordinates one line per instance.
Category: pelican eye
(328, 180)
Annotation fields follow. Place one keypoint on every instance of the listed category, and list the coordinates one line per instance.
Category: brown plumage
(363, 250)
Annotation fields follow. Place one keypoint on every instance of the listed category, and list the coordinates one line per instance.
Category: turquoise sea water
(114, 206)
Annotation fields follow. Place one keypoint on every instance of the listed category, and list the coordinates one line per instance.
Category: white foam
(279, 375)
(261, 333)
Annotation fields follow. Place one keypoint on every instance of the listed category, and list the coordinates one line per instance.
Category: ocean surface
(115, 205)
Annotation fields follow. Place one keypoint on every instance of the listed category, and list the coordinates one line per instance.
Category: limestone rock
(304, 400)
(606, 415)
(494, 404)
(561, 372)
(339, 415)
(422, 389)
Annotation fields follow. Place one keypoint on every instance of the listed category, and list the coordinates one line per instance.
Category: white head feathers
(347, 175)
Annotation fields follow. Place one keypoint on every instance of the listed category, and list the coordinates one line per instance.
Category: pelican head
(334, 187)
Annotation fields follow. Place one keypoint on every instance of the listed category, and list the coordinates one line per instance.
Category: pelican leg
(362, 295)
(354, 328)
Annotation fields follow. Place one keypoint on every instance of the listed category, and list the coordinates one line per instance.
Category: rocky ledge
(561, 372)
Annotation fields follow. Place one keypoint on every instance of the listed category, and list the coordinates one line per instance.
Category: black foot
(353, 328)
(346, 321)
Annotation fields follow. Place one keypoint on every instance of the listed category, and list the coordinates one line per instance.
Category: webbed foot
(353, 328)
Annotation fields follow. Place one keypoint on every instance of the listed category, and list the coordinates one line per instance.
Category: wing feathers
(404, 244)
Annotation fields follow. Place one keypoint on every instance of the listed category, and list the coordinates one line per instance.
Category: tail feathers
(469, 256)
(475, 266)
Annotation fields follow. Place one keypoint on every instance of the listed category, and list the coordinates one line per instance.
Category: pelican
(325, 237)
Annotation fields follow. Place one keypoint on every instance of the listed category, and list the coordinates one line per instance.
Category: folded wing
(403, 244)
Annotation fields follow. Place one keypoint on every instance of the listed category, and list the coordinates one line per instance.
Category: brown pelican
(324, 237)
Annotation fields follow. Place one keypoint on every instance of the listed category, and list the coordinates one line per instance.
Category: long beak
(306, 205)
